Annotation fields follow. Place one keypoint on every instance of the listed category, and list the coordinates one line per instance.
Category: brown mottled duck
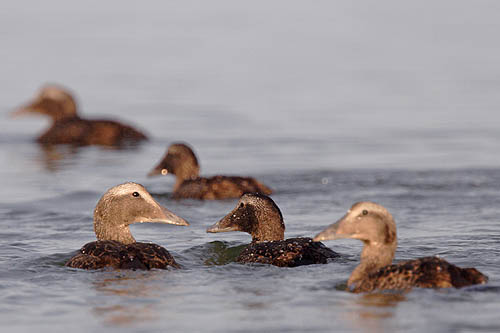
(115, 247)
(259, 216)
(67, 126)
(375, 226)
(181, 161)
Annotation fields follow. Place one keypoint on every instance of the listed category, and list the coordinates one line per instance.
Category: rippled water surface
(329, 103)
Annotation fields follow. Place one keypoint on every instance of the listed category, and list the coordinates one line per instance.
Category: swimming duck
(181, 161)
(68, 128)
(374, 225)
(259, 216)
(115, 247)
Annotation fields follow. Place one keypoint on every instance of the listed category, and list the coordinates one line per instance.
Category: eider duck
(68, 128)
(374, 225)
(259, 216)
(181, 161)
(115, 247)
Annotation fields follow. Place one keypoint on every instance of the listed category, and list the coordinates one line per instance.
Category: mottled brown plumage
(117, 255)
(181, 161)
(375, 226)
(259, 216)
(68, 128)
(115, 247)
(291, 252)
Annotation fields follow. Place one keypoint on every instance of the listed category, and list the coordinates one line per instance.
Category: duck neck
(268, 228)
(373, 257)
(188, 172)
(104, 230)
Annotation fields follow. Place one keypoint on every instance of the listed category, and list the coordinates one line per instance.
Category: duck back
(83, 132)
(100, 254)
(291, 252)
(427, 272)
(220, 187)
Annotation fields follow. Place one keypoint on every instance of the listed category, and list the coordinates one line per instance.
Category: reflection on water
(117, 292)
(370, 311)
(54, 157)
(216, 252)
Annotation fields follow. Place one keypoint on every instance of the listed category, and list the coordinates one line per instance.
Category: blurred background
(327, 102)
(344, 85)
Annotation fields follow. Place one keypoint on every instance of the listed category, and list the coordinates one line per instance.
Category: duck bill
(223, 225)
(22, 111)
(163, 215)
(154, 172)
(160, 170)
(334, 231)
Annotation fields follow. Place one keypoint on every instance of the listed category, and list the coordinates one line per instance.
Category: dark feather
(220, 187)
(428, 272)
(287, 253)
(83, 132)
(114, 254)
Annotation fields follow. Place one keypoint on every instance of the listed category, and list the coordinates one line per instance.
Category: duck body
(258, 215)
(219, 187)
(375, 227)
(83, 132)
(181, 161)
(427, 272)
(68, 128)
(101, 254)
(115, 247)
(291, 252)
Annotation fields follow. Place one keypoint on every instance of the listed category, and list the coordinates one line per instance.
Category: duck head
(374, 226)
(125, 204)
(255, 214)
(53, 101)
(180, 161)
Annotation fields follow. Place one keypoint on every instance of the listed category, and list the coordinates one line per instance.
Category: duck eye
(135, 194)
(365, 212)
(242, 205)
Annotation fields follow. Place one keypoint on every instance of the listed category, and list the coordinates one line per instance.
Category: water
(327, 102)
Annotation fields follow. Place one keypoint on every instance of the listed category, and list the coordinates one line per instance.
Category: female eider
(68, 128)
(259, 216)
(115, 247)
(181, 161)
(374, 225)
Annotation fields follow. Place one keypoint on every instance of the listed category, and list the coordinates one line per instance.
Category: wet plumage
(115, 247)
(375, 226)
(67, 126)
(259, 216)
(291, 252)
(181, 161)
(100, 254)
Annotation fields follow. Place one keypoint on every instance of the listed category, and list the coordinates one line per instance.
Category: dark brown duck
(374, 225)
(115, 247)
(181, 161)
(259, 216)
(68, 128)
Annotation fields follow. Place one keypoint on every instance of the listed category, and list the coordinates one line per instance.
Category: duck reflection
(57, 157)
(53, 158)
(371, 311)
(128, 298)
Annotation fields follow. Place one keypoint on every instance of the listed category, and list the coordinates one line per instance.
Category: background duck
(374, 225)
(181, 161)
(259, 216)
(68, 128)
(115, 247)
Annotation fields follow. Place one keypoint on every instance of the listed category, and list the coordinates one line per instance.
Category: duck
(258, 215)
(68, 127)
(115, 247)
(181, 161)
(375, 227)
